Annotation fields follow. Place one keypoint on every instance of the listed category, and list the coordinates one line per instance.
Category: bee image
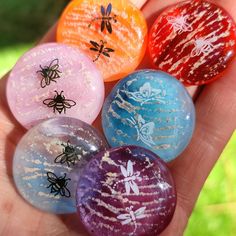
(101, 49)
(203, 46)
(69, 155)
(179, 24)
(106, 18)
(58, 185)
(49, 73)
(59, 103)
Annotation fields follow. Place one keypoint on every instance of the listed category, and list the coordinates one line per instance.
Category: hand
(216, 120)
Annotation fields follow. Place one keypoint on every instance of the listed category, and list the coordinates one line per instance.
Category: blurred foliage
(23, 22)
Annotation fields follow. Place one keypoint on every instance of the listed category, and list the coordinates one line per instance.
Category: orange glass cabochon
(81, 23)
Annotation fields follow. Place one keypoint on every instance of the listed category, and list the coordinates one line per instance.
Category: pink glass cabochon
(33, 92)
(126, 191)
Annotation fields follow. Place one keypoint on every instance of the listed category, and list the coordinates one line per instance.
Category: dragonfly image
(132, 216)
(105, 18)
(203, 46)
(129, 178)
(144, 129)
(146, 93)
(100, 49)
(179, 24)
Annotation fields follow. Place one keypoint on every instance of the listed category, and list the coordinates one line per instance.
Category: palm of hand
(216, 121)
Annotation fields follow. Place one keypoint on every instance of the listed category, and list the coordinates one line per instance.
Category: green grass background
(22, 22)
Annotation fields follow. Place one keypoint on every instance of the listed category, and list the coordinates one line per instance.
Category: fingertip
(50, 36)
(139, 3)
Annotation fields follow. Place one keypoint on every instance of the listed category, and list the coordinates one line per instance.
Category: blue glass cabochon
(151, 109)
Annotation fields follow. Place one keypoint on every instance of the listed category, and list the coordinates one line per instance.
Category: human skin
(215, 111)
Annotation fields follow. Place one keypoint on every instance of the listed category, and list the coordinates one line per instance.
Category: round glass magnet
(112, 33)
(126, 191)
(54, 80)
(195, 41)
(48, 161)
(150, 109)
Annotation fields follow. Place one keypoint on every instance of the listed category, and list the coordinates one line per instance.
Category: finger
(139, 3)
(50, 36)
(216, 112)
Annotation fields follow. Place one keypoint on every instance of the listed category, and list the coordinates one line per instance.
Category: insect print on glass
(179, 24)
(58, 185)
(105, 18)
(69, 155)
(100, 49)
(144, 129)
(129, 178)
(59, 103)
(132, 216)
(203, 46)
(147, 94)
(49, 73)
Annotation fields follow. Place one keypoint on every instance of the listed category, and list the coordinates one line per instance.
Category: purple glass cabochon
(106, 199)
